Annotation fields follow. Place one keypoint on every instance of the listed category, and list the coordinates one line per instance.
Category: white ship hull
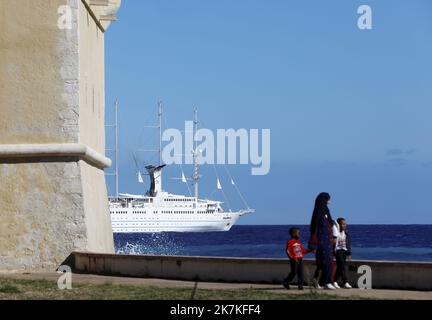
(153, 223)
(169, 213)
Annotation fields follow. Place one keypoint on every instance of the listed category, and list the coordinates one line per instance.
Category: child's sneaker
(286, 285)
(347, 286)
(329, 287)
(300, 287)
(335, 284)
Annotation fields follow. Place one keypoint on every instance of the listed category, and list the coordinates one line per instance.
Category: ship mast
(195, 175)
(116, 173)
(158, 149)
(160, 132)
(116, 151)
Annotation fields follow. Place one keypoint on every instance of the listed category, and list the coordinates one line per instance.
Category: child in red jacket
(295, 252)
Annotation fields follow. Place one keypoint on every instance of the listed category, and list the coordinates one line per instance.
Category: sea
(369, 242)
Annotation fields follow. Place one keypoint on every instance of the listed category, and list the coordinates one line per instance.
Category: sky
(349, 110)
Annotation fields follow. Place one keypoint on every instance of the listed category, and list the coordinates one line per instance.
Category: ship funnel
(155, 174)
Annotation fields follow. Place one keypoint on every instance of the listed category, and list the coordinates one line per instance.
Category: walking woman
(321, 241)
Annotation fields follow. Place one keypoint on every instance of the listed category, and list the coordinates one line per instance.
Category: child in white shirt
(342, 252)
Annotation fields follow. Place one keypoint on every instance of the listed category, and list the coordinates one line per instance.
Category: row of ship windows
(137, 230)
(134, 212)
(126, 218)
(135, 224)
(127, 221)
(184, 206)
(167, 212)
(188, 212)
(177, 200)
(118, 225)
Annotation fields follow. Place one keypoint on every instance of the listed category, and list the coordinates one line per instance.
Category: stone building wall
(53, 197)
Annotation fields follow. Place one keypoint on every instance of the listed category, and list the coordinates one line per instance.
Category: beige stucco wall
(92, 127)
(92, 82)
(42, 217)
(34, 89)
(51, 91)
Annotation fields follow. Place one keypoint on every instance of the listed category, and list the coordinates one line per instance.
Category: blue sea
(369, 242)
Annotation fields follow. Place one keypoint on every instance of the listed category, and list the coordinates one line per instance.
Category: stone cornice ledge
(81, 151)
(103, 11)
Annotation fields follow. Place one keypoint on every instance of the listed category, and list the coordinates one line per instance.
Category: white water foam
(155, 244)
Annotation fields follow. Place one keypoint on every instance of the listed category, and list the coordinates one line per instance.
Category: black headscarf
(319, 211)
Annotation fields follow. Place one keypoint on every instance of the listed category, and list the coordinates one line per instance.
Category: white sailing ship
(161, 211)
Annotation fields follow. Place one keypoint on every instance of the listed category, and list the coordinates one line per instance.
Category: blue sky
(349, 110)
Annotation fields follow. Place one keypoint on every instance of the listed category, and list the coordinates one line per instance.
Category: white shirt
(340, 238)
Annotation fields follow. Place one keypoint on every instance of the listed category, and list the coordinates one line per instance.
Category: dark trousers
(324, 266)
(296, 270)
(318, 274)
(341, 271)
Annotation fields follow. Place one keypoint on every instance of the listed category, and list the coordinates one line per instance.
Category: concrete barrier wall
(388, 275)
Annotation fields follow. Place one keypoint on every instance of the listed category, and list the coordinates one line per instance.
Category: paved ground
(96, 279)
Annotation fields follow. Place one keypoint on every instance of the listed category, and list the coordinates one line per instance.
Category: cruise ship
(161, 211)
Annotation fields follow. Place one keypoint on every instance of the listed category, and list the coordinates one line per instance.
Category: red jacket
(295, 250)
